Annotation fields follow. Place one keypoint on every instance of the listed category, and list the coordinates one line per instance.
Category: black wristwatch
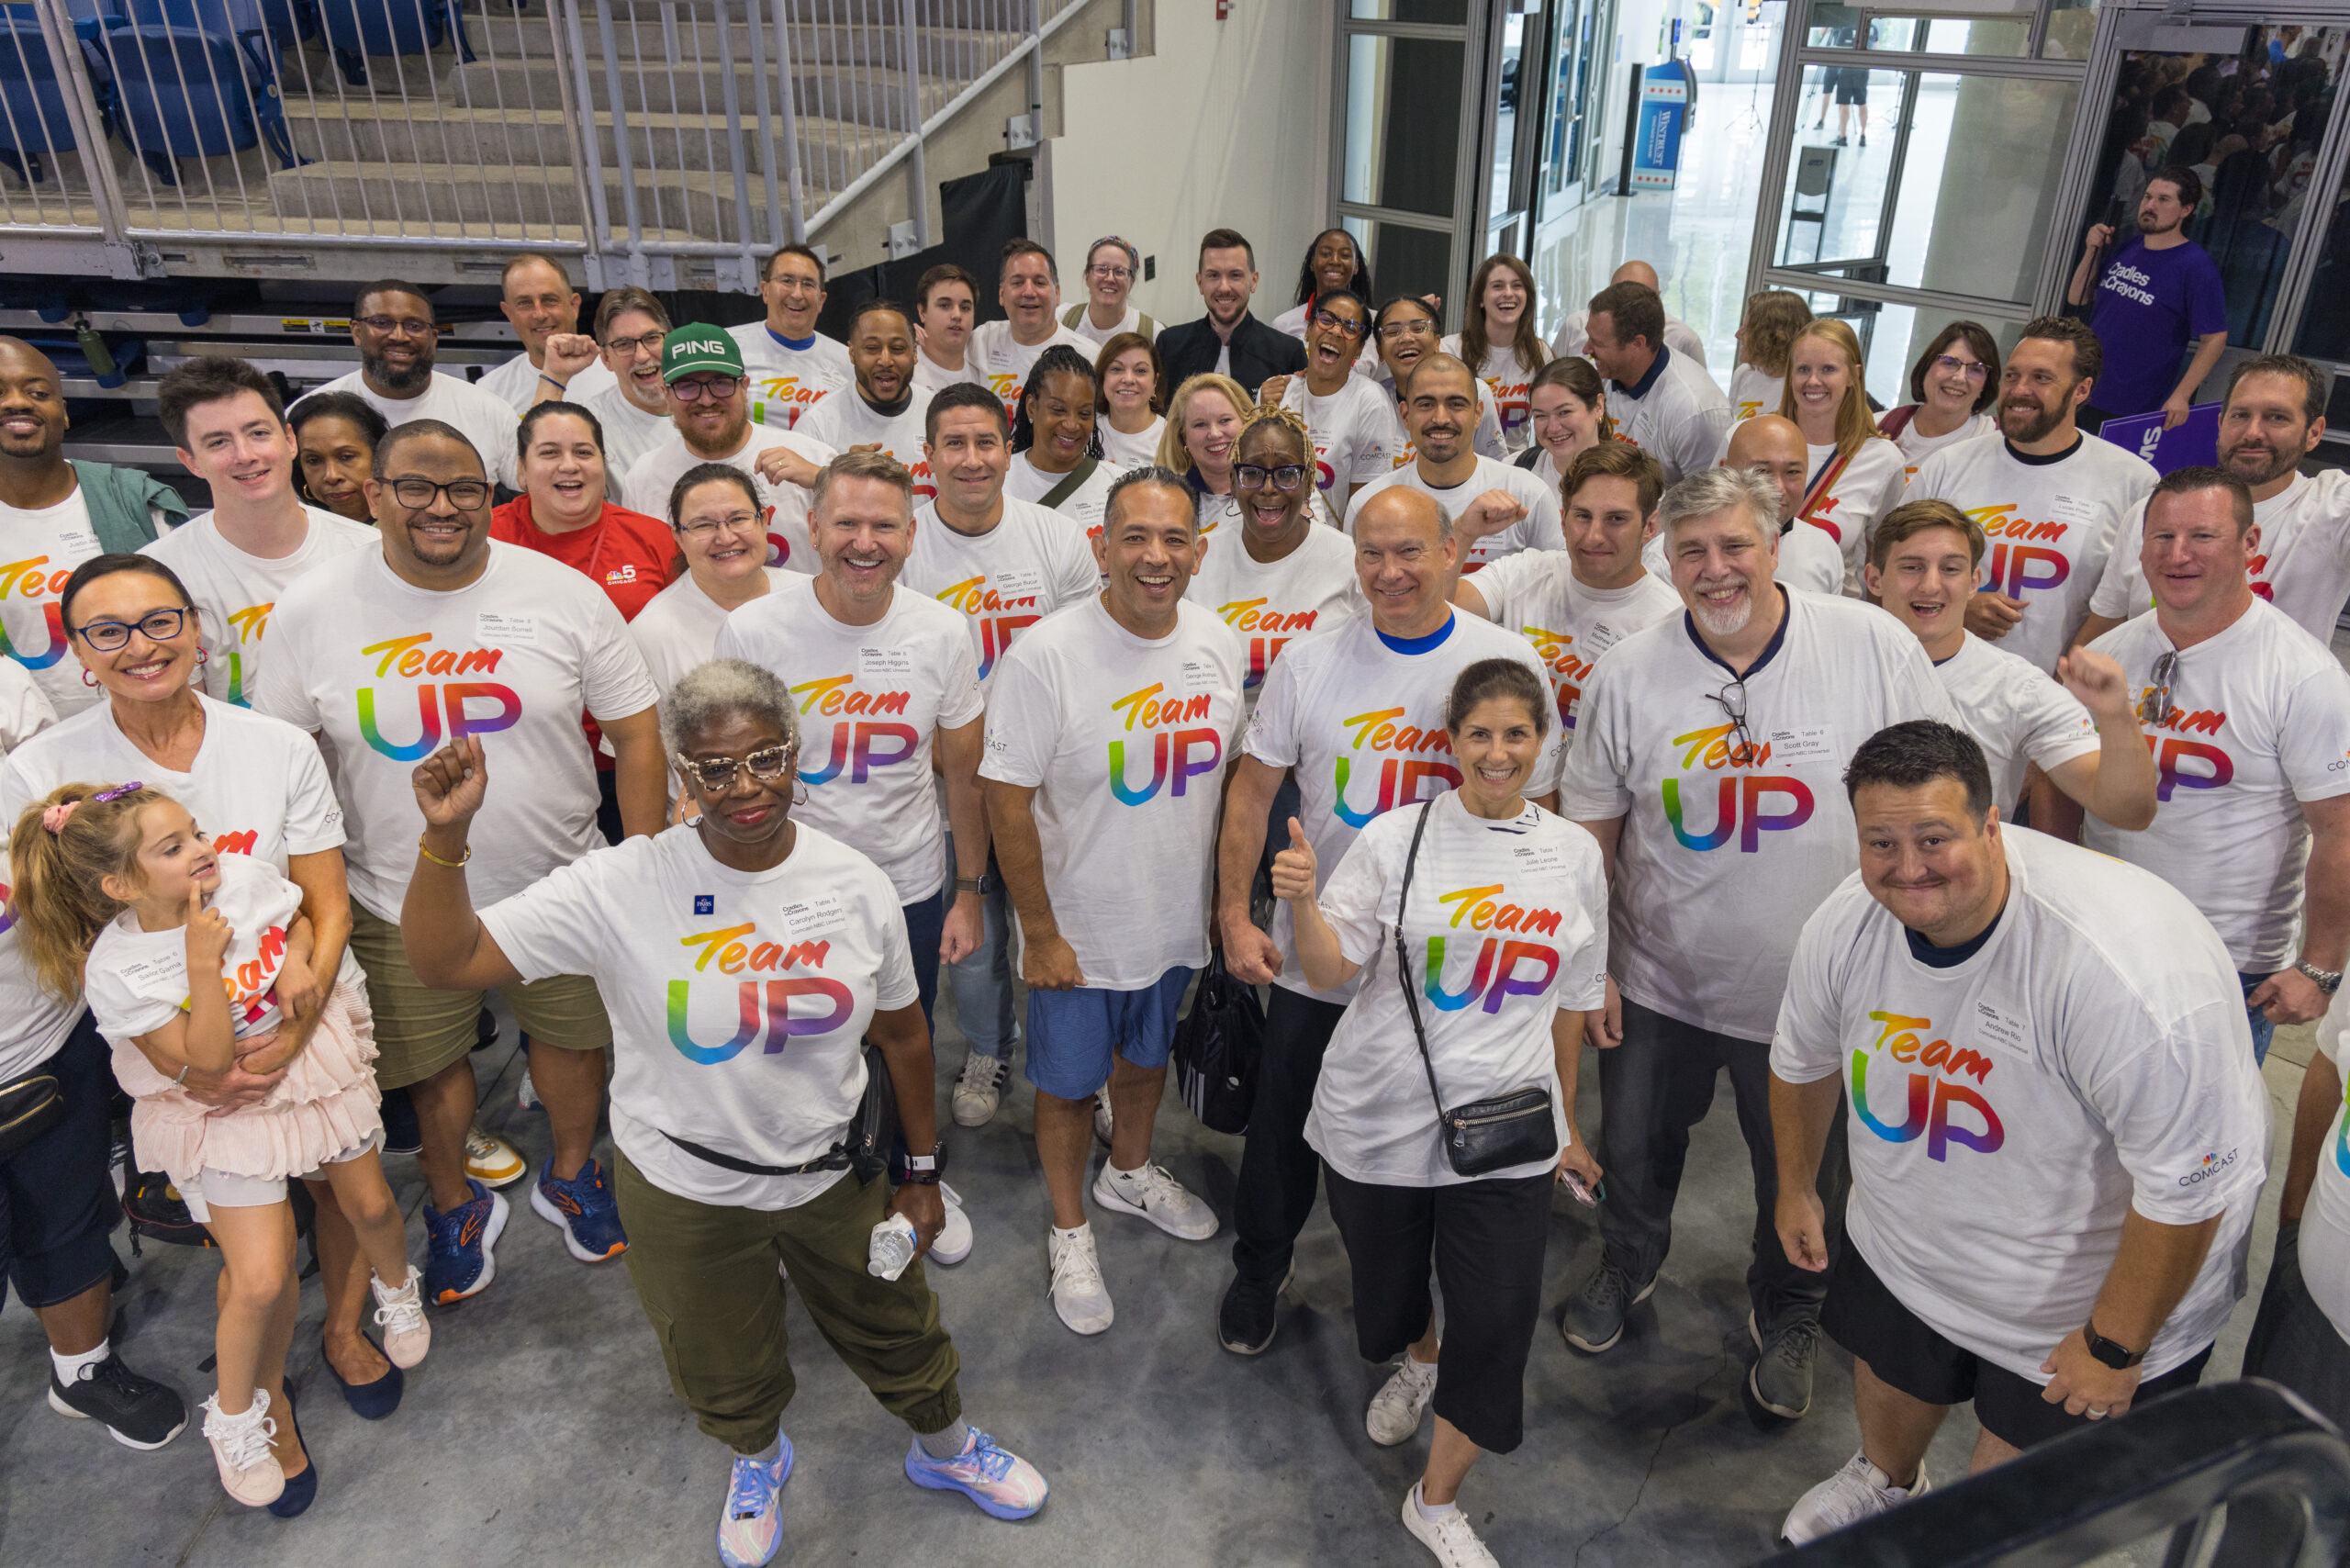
(2116, 1355)
(923, 1170)
(977, 884)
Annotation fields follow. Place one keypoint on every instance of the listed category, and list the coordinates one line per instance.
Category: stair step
(364, 132)
(477, 196)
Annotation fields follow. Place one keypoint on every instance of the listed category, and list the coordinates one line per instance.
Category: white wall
(1227, 123)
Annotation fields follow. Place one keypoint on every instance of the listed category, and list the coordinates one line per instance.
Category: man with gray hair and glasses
(1709, 759)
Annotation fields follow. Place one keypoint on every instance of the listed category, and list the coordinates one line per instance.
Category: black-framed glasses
(1732, 699)
(716, 774)
(1331, 322)
(2156, 708)
(1394, 329)
(718, 386)
(397, 326)
(731, 522)
(1973, 370)
(649, 343)
(419, 494)
(156, 626)
(1251, 476)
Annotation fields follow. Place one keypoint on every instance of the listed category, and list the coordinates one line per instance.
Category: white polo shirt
(1675, 411)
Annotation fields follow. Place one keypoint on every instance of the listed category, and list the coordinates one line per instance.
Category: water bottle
(891, 1248)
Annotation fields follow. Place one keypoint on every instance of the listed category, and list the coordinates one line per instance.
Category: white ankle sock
(1072, 1234)
(770, 1453)
(1429, 1511)
(70, 1368)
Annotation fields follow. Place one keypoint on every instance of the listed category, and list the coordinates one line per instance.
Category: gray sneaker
(1780, 1382)
(1594, 1317)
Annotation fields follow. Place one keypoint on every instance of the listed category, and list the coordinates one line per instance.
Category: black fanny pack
(1485, 1135)
(864, 1148)
(31, 1103)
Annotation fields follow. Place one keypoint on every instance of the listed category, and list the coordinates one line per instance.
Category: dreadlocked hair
(1289, 420)
(58, 899)
(1058, 360)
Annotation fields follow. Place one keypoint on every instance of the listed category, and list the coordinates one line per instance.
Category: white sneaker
(1395, 1410)
(954, 1243)
(1078, 1294)
(1101, 1123)
(491, 1160)
(248, 1471)
(1857, 1492)
(1449, 1534)
(980, 1089)
(400, 1315)
(526, 1097)
(1158, 1197)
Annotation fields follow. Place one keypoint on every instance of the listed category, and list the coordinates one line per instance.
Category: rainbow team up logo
(1400, 775)
(1170, 744)
(999, 616)
(863, 745)
(407, 657)
(1935, 1096)
(735, 950)
(25, 579)
(1494, 978)
(1267, 631)
(2017, 568)
(1742, 801)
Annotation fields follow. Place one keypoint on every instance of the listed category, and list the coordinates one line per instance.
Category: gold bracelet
(452, 865)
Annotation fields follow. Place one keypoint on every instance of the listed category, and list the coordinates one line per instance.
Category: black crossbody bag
(31, 1103)
(1486, 1135)
(864, 1148)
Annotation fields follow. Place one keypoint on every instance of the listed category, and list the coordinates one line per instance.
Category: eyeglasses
(2156, 708)
(418, 494)
(1114, 273)
(1732, 699)
(718, 386)
(396, 326)
(716, 774)
(1394, 330)
(1973, 370)
(1329, 322)
(649, 343)
(156, 626)
(1249, 476)
(733, 522)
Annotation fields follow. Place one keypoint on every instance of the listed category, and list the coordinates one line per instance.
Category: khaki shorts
(419, 1030)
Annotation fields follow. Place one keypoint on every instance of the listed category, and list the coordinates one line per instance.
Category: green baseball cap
(699, 346)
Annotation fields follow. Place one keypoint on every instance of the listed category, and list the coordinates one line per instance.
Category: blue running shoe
(585, 1209)
(751, 1530)
(462, 1262)
(999, 1481)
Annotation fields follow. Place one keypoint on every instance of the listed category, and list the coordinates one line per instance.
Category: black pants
(57, 1201)
(1278, 1168)
(1652, 1089)
(1486, 1239)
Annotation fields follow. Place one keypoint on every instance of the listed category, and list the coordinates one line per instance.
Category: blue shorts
(1073, 1034)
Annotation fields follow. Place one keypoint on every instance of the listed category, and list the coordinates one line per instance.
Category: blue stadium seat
(356, 29)
(183, 91)
(32, 98)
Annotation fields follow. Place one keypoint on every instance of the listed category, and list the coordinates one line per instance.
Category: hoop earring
(800, 794)
(203, 657)
(89, 679)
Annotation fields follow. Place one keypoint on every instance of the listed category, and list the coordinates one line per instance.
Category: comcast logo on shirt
(1746, 804)
(735, 949)
(1934, 1101)
(1151, 711)
(1496, 976)
(2213, 1163)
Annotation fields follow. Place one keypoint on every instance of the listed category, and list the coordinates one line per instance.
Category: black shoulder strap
(1071, 482)
(1403, 960)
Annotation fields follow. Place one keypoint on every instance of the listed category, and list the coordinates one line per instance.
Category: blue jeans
(2263, 1031)
(982, 982)
(925, 920)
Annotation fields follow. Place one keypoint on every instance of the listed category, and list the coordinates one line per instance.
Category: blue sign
(1656, 141)
(2195, 442)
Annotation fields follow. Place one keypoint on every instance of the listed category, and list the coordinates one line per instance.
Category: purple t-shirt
(2147, 306)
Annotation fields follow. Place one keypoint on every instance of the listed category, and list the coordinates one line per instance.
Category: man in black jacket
(1229, 340)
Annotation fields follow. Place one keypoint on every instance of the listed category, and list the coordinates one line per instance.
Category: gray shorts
(231, 1190)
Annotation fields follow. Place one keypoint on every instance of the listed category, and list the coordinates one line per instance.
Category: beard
(2268, 466)
(1727, 622)
(399, 383)
(2042, 420)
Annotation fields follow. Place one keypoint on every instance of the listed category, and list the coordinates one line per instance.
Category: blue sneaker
(999, 1481)
(461, 1262)
(751, 1530)
(585, 1210)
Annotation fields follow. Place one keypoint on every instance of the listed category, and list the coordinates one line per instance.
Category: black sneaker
(1593, 1319)
(401, 1133)
(1778, 1387)
(139, 1411)
(484, 1028)
(1245, 1323)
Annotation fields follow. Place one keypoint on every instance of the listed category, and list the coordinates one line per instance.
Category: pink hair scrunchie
(55, 818)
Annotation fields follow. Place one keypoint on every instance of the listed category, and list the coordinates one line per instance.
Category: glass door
(1411, 114)
(1570, 138)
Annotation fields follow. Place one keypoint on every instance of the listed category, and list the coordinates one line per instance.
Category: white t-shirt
(23, 711)
(2302, 566)
(1030, 563)
(258, 786)
(841, 418)
(1681, 417)
(2050, 522)
(1538, 530)
(1574, 337)
(2261, 722)
(485, 417)
(2325, 1222)
(1357, 439)
(2092, 1059)
(1916, 446)
(931, 377)
(1359, 724)
(739, 999)
(1505, 930)
(1004, 361)
(137, 981)
(1809, 560)
(1753, 392)
(1537, 595)
(234, 590)
(788, 379)
(1084, 325)
(647, 487)
(1292, 321)
(39, 550)
(1083, 505)
(1510, 384)
(677, 630)
(1486, 440)
(869, 778)
(1137, 451)
(1271, 604)
(629, 433)
(1722, 857)
(386, 672)
(1870, 486)
(2017, 712)
(1128, 866)
(1213, 511)
(516, 383)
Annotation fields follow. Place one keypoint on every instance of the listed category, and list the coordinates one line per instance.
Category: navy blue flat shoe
(370, 1400)
(303, 1489)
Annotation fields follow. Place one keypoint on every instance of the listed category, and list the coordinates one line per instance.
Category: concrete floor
(542, 1430)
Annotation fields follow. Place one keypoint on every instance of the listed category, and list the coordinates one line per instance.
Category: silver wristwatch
(2326, 980)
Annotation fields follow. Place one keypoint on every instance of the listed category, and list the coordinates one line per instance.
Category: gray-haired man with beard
(392, 326)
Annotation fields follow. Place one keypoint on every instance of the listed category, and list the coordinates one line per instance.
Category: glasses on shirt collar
(716, 774)
(1732, 699)
(2156, 708)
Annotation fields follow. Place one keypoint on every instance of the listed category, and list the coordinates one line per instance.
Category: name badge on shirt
(2073, 508)
(1537, 859)
(1815, 744)
(881, 666)
(76, 545)
(809, 918)
(1198, 678)
(2000, 1028)
(506, 631)
(1021, 582)
(146, 972)
(1598, 639)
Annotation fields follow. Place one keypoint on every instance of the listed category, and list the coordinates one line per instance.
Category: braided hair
(1057, 360)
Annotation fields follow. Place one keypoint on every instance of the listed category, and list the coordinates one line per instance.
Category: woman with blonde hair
(1764, 335)
(1857, 473)
(1203, 431)
(1499, 342)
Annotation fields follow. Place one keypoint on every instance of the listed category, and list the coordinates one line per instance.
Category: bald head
(1637, 271)
(32, 413)
(1399, 506)
(1774, 447)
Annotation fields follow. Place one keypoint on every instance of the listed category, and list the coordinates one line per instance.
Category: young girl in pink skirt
(194, 959)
